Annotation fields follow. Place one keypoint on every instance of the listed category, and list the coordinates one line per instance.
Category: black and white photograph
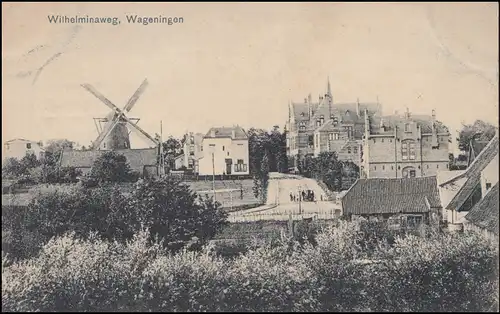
(250, 157)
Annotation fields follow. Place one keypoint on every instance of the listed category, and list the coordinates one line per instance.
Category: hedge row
(436, 273)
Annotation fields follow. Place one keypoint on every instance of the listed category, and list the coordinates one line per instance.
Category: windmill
(115, 134)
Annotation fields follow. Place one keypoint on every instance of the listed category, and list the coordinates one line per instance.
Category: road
(279, 205)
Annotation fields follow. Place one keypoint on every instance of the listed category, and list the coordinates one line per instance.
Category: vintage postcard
(250, 156)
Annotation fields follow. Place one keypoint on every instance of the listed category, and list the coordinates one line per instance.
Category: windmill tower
(114, 130)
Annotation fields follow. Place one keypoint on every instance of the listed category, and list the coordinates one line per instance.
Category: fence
(283, 216)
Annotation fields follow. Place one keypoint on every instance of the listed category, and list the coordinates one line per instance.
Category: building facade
(471, 185)
(404, 146)
(193, 151)
(225, 152)
(315, 127)
(399, 201)
(18, 148)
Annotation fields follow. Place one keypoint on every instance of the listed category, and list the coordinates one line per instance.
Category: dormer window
(28, 145)
(302, 114)
(407, 127)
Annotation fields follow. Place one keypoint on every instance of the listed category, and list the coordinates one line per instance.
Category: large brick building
(315, 127)
(404, 146)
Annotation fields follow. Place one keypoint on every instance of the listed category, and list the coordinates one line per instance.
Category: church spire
(329, 89)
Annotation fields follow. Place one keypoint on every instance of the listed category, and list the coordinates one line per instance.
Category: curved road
(279, 206)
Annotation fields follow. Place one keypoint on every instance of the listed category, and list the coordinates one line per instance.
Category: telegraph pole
(213, 174)
(162, 161)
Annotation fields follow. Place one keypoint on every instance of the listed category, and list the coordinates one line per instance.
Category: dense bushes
(437, 273)
(166, 206)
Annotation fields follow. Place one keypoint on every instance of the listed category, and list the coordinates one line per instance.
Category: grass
(224, 197)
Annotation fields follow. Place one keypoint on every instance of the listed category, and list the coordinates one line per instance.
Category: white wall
(489, 175)
(18, 149)
(224, 148)
(446, 194)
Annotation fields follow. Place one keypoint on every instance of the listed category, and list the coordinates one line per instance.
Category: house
(475, 149)
(447, 192)
(314, 127)
(18, 148)
(470, 186)
(400, 201)
(483, 217)
(193, 145)
(404, 146)
(225, 152)
(144, 161)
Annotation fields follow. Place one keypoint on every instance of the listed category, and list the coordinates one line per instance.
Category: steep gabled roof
(391, 121)
(473, 174)
(485, 213)
(476, 147)
(225, 132)
(391, 196)
(137, 158)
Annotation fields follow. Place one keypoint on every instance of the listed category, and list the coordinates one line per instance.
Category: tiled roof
(485, 213)
(391, 195)
(221, 132)
(137, 158)
(391, 121)
(473, 174)
(342, 108)
(476, 148)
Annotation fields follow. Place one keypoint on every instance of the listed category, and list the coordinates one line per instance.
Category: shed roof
(485, 213)
(391, 196)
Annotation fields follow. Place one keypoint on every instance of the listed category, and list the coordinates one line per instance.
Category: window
(382, 140)
(412, 174)
(302, 128)
(407, 127)
(374, 141)
(223, 148)
(201, 148)
(383, 167)
(330, 136)
(392, 167)
(28, 145)
(228, 153)
(408, 150)
(413, 221)
(437, 166)
(427, 166)
(374, 167)
(355, 150)
(348, 150)
(446, 166)
(390, 140)
(488, 186)
(240, 166)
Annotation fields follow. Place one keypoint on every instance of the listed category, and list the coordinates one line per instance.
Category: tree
(11, 168)
(112, 167)
(264, 176)
(57, 145)
(174, 213)
(485, 132)
(172, 148)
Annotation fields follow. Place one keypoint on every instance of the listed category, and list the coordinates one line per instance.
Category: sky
(241, 63)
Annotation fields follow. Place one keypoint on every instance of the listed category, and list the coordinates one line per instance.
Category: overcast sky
(241, 63)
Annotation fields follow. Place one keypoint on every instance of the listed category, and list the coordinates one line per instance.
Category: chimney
(309, 107)
(233, 134)
(358, 112)
(433, 115)
(212, 132)
(407, 113)
(396, 112)
(309, 98)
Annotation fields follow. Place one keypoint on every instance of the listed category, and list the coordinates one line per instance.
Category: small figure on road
(291, 197)
(321, 196)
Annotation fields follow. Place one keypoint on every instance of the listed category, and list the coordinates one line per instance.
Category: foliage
(272, 143)
(172, 148)
(172, 212)
(330, 170)
(112, 167)
(436, 273)
(485, 132)
(55, 146)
